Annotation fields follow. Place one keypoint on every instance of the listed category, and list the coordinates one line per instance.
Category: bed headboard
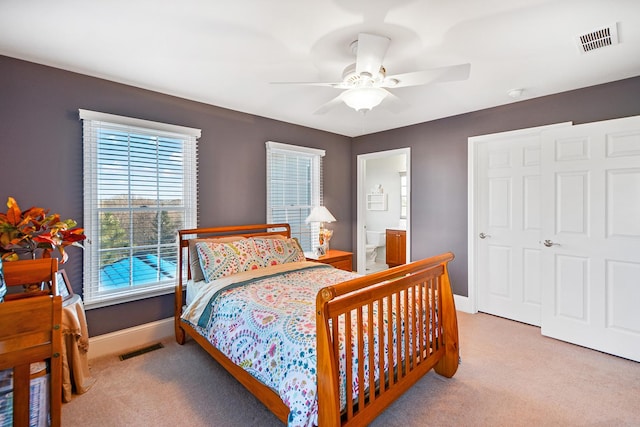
(234, 230)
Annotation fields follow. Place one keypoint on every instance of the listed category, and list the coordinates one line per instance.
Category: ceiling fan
(365, 82)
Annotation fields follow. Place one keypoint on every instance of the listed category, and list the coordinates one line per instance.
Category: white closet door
(590, 182)
(508, 223)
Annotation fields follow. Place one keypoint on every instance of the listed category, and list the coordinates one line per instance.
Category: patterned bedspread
(265, 322)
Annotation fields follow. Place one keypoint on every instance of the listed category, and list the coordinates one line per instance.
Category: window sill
(106, 301)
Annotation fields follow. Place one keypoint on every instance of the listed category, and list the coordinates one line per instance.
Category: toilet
(375, 240)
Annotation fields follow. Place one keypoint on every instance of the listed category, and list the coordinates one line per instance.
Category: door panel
(623, 207)
(572, 278)
(531, 207)
(572, 190)
(508, 223)
(500, 202)
(591, 262)
(499, 271)
(623, 294)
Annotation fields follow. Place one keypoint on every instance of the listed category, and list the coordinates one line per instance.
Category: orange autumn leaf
(14, 215)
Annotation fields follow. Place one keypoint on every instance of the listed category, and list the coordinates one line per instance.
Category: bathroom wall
(385, 172)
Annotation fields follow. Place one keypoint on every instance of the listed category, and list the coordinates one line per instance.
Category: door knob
(549, 243)
(484, 236)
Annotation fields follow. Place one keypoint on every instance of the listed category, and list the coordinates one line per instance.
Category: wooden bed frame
(422, 291)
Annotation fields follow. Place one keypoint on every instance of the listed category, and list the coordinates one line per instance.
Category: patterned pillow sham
(224, 259)
(196, 271)
(278, 251)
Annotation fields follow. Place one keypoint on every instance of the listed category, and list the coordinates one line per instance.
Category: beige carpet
(510, 376)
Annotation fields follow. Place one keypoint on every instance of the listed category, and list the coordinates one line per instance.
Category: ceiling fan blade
(394, 103)
(370, 53)
(330, 105)
(433, 75)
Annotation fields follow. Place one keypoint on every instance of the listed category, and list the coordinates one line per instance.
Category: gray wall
(439, 160)
(41, 160)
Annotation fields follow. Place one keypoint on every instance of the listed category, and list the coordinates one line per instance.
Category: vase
(327, 234)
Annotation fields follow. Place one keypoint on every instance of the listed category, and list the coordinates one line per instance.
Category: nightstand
(339, 259)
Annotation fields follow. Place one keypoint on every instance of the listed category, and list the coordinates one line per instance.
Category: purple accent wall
(439, 159)
(41, 160)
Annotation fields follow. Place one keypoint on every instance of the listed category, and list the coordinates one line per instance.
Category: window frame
(92, 121)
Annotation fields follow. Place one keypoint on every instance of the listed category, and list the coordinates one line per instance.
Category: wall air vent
(596, 39)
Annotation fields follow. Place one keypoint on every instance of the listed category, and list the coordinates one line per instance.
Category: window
(294, 187)
(140, 187)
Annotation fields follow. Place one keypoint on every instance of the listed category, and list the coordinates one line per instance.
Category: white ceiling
(226, 53)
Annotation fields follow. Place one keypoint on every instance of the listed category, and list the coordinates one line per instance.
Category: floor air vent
(596, 39)
(140, 351)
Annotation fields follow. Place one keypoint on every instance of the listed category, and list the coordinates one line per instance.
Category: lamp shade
(364, 98)
(320, 214)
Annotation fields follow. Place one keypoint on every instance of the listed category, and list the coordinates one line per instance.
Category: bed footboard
(400, 322)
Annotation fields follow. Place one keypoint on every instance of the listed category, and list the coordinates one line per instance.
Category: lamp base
(325, 237)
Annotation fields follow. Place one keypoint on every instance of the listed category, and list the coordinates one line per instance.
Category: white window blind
(140, 187)
(294, 187)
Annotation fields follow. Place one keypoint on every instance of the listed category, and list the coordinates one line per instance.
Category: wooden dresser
(339, 259)
(396, 247)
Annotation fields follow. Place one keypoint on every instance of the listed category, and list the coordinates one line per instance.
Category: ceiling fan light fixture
(364, 98)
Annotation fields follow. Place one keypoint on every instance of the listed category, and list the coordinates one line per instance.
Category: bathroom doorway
(383, 192)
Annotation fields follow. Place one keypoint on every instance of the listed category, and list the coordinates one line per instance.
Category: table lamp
(321, 214)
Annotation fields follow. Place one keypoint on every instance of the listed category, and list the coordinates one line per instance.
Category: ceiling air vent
(596, 39)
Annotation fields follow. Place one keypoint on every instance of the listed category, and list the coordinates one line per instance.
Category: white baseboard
(462, 303)
(121, 341)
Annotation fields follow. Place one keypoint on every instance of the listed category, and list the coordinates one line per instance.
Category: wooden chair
(31, 333)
